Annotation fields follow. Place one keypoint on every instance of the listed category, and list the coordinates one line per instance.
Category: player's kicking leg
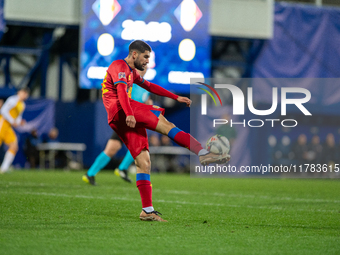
(157, 122)
(112, 147)
(143, 183)
(186, 140)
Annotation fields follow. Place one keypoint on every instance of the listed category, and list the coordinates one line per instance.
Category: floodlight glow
(164, 32)
(139, 30)
(96, 72)
(150, 74)
(106, 10)
(105, 44)
(187, 50)
(183, 77)
(188, 14)
(152, 61)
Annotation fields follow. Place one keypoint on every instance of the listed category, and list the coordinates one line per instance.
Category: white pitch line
(247, 196)
(35, 184)
(165, 201)
(181, 192)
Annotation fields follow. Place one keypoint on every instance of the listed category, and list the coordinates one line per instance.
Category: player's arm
(158, 90)
(125, 103)
(118, 78)
(5, 109)
(19, 121)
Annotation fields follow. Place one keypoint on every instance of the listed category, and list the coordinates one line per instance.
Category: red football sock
(186, 140)
(145, 191)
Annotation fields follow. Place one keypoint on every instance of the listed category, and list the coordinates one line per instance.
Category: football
(218, 144)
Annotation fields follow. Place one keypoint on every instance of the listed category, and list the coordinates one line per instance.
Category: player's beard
(138, 65)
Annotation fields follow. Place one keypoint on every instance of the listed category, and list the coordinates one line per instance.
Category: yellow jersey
(10, 113)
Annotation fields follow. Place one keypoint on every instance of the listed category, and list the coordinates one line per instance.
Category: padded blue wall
(87, 123)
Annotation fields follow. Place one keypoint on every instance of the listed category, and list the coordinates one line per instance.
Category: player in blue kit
(114, 144)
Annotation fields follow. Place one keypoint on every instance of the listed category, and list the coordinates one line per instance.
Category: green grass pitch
(54, 212)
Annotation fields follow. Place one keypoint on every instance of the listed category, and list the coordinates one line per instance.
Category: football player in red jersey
(130, 119)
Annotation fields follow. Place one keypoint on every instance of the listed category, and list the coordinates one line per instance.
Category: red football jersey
(120, 76)
(118, 72)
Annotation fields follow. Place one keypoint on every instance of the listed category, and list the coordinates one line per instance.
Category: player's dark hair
(139, 46)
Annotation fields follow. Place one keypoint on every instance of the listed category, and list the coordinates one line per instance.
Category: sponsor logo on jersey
(129, 78)
(155, 106)
(121, 75)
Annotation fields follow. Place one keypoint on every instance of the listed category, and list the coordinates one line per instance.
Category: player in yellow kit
(11, 116)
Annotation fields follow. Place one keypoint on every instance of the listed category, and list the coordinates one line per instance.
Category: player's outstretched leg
(144, 186)
(186, 140)
(122, 169)
(9, 157)
(112, 147)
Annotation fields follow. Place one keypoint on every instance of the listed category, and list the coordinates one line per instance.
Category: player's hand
(184, 100)
(23, 122)
(130, 121)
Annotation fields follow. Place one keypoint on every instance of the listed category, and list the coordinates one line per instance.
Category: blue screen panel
(177, 31)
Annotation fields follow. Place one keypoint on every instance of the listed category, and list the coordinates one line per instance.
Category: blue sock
(127, 161)
(101, 161)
